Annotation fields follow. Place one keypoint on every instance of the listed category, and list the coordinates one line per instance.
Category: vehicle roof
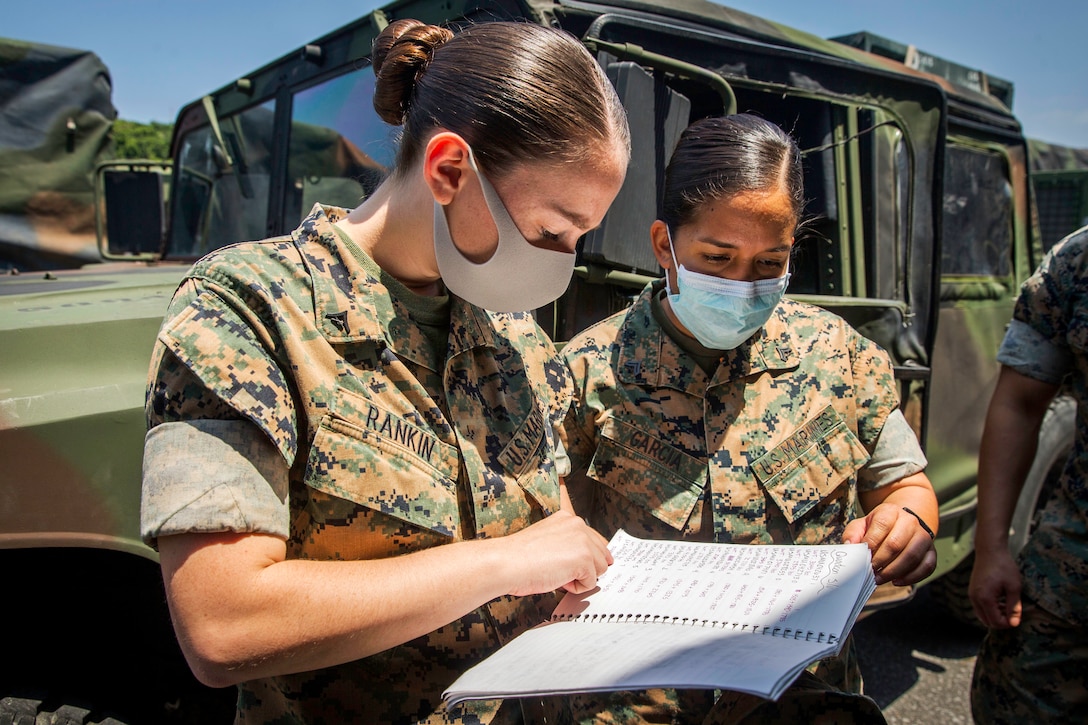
(694, 12)
(769, 31)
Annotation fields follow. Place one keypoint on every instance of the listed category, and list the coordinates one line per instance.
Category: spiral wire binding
(786, 632)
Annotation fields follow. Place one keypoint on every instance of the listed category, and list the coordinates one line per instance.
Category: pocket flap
(651, 473)
(520, 456)
(383, 462)
(810, 464)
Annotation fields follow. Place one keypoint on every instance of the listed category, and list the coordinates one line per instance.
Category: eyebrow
(730, 245)
(573, 217)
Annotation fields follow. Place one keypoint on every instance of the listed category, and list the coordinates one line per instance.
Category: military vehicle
(921, 231)
(57, 114)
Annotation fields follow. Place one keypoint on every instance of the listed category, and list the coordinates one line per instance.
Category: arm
(241, 608)
(894, 478)
(243, 611)
(902, 551)
(1009, 440)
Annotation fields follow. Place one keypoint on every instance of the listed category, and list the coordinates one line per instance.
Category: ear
(659, 240)
(445, 165)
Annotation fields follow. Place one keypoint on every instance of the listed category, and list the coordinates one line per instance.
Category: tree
(133, 140)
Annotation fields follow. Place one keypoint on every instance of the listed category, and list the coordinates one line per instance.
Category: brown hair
(513, 90)
(722, 156)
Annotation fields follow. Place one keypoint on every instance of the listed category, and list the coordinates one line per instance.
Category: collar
(649, 357)
(352, 305)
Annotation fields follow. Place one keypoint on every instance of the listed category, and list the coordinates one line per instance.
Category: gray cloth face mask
(518, 276)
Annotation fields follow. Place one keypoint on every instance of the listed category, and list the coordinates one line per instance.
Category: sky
(164, 54)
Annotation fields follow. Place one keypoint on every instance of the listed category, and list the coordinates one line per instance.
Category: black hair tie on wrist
(925, 528)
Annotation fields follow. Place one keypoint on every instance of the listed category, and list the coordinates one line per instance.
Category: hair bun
(400, 55)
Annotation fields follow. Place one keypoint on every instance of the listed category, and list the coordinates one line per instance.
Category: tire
(23, 711)
(94, 644)
(1055, 443)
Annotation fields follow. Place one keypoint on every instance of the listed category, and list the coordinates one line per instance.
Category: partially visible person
(351, 469)
(1032, 665)
(714, 409)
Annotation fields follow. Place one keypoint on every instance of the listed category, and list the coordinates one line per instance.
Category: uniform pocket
(376, 459)
(811, 464)
(648, 471)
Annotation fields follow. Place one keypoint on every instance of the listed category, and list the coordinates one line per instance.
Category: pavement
(916, 662)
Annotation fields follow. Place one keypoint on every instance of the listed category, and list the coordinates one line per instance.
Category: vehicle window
(1062, 201)
(339, 148)
(221, 193)
(885, 172)
(977, 215)
(818, 261)
(857, 173)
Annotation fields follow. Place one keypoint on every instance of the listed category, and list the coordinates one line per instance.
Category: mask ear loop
(672, 251)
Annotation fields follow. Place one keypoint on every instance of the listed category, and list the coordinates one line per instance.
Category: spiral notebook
(686, 615)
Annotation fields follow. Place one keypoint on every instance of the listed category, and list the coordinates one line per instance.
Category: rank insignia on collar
(339, 320)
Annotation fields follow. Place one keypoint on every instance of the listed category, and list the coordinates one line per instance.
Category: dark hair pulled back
(514, 91)
(722, 156)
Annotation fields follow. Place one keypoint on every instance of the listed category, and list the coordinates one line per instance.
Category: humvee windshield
(338, 152)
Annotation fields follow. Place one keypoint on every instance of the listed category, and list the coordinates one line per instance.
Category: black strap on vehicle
(662, 101)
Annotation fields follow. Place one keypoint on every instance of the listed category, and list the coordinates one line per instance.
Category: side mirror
(130, 208)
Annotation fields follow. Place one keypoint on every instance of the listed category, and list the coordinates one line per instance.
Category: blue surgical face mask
(722, 313)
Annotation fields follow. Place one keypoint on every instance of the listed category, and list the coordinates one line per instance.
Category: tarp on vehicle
(1059, 175)
(1054, 157)
(56, 111)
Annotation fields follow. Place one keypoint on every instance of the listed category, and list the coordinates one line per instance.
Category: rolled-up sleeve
(1030, 353)
(897, 454)
(212, 476)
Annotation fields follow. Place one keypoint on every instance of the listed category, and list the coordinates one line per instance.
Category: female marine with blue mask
(352, 472)
(716, 409)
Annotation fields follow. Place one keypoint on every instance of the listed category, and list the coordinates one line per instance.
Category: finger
(608, 559)
(1010, 604)
(891, 540)
(581, 584)
(920, 571)
(985, 608)
(565, 504)
(983, 602)
(992, 615)
(882, 525)
(981, 612)
(905, 555)
(601, 556)
(1015, 611)
(997, 608)
(576, 587)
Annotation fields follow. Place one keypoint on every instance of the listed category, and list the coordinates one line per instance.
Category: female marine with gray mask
(350, 472)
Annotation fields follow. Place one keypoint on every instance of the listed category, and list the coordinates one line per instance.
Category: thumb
(854, 533)
(1014, 612)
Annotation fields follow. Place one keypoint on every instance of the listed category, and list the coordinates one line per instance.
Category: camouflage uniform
(389, 446)
(771, 449)
(1040, 668)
